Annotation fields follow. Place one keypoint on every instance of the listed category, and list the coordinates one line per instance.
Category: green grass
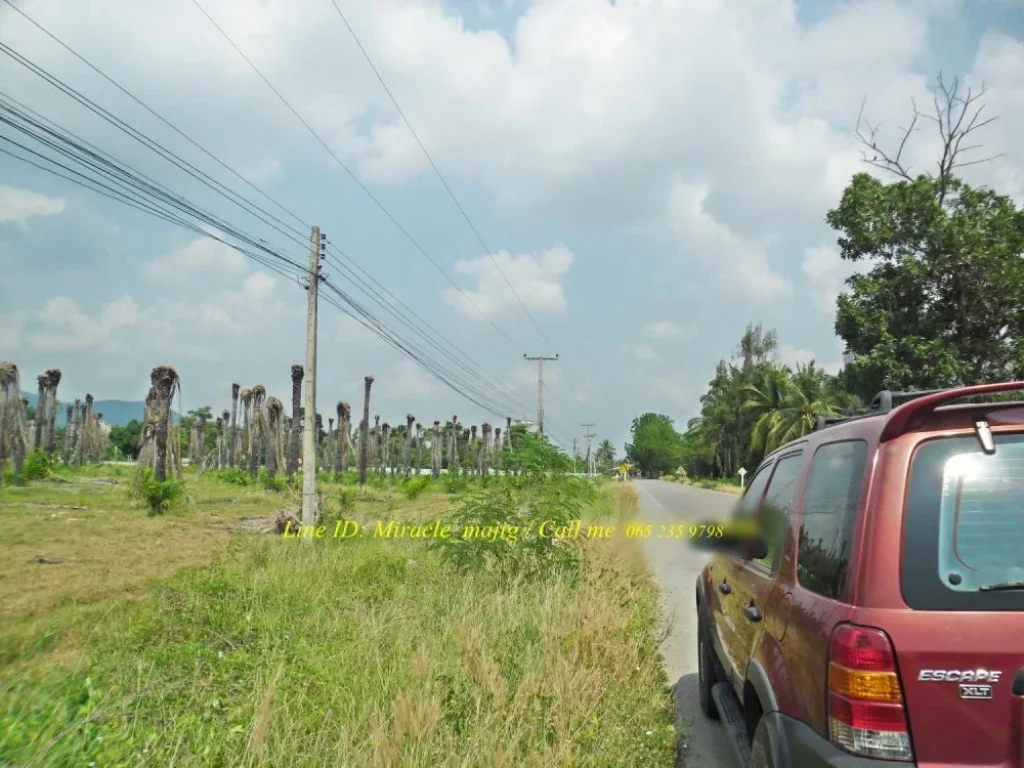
(174, 640)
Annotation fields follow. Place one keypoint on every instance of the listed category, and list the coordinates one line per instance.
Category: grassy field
(187, 639)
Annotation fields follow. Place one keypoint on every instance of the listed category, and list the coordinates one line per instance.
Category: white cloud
(645, 352)
(62, 326)
(17, 206)
(663, 329)
(827, 273)
(537, 280)
(202, 260)
(407, 380)
(734, 261)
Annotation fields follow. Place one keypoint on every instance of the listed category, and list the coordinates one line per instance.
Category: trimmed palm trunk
(473, 450)
(364, 429)
(233, 427)
(242, 445)
(274, 436)
(453, 445)
(12, 420)
(40, 418)
(385, 440)
(164, 382)
(295, 432)
(497, 444)
(256, 429)
(435, 451)
(419, 447)
(53, 377)
(464, 467)
(409, 421)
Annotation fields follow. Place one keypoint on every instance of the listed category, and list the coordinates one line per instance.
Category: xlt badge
(974, 691)
(959, 675)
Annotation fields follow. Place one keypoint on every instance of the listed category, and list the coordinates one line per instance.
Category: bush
(346, 499)
(37, 465)
(271, 482)
(415, 486)
(233, 475)
(455, 484)
(159, 496)
(503, 521)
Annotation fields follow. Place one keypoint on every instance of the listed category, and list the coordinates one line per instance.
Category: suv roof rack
(887, 401)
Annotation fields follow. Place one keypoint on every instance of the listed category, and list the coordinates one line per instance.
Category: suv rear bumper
(804, 747)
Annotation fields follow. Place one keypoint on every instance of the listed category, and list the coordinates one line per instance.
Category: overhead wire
(141, 196)
(444, 182)
(235, 198)
(359, 182)
(191, 169)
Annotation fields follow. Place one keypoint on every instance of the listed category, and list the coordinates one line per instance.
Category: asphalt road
(676, 566)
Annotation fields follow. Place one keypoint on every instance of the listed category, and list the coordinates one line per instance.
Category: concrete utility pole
(590, 441)
(540, 389)
(317, 242)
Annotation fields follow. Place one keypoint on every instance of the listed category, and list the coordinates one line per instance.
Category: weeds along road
(676, 565)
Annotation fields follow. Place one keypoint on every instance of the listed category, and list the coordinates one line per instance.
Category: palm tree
(788, 404)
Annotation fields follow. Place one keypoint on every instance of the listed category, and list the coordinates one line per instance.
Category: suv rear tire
(707, 675)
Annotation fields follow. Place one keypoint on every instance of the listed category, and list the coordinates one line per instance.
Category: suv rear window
(963, 526)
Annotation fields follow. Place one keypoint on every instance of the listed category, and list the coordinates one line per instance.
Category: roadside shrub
(159, 496)
(454, 484)
(497, 528)
(415, 486)
(274, 483)
(233, 475)
(37, 465)
(346, 499)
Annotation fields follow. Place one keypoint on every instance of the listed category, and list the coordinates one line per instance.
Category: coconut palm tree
(787, 405)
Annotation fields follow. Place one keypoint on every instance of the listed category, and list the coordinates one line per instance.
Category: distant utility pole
(540, 389)
(590, 441)
(309, 435)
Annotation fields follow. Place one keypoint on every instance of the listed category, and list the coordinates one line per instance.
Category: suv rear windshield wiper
(1004, 587)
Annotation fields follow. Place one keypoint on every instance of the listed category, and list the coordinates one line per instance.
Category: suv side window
(778, 502)
(830, 507)
(752, 497)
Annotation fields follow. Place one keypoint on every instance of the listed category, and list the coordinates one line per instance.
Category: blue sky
(650, 176)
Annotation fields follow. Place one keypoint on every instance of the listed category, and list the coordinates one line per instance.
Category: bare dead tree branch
(958, 114)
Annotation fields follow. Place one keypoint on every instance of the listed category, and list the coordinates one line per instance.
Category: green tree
(941, 304)
(656, 446)
(127, 438)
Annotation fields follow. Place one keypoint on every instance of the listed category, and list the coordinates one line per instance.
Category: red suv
(877, 617)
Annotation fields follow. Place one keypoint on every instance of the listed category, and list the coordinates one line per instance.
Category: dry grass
(172, 640)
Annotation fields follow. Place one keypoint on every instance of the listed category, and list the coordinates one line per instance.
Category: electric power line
(416, 244)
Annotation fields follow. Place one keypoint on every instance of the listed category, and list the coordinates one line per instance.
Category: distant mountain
(115, 412)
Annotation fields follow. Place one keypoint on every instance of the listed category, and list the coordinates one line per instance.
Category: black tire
(707, 675)
(761, 753)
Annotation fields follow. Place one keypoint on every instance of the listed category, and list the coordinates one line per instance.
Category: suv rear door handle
(752, 612)
(724, 588)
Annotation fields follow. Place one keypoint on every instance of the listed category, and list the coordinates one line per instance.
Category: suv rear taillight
(866, 714)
